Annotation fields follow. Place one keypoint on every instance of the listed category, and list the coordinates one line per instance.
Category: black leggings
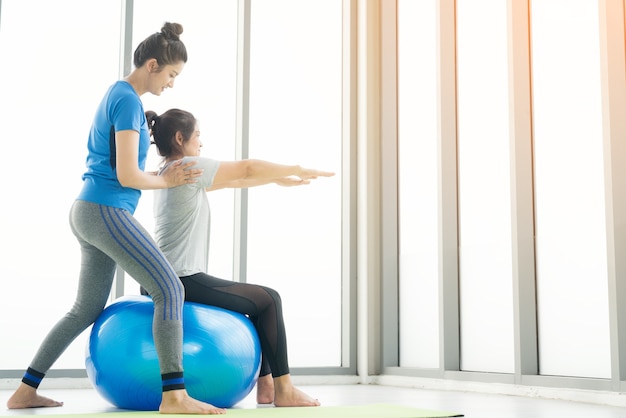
(261, 304)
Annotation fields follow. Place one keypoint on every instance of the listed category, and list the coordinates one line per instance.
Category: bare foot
(265, 389)
(179, 402)
(27, 397)
(289, 395)
(295, 397)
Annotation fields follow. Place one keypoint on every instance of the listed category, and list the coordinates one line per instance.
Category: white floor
(472, 405)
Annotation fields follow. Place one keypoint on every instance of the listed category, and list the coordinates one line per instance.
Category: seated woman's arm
(250, 173)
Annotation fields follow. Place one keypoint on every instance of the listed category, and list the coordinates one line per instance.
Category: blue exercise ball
(221, 355)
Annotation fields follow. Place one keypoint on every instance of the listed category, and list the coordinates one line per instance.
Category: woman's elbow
(250, 170)
(126, 180)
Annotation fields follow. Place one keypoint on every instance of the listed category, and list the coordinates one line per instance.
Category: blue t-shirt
(121, 109)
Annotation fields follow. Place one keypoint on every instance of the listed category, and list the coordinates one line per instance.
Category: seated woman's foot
(294, 397)
(265, 390)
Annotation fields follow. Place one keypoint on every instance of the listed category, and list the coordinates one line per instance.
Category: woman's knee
(173, 290)
(84, 313)
(273, 294)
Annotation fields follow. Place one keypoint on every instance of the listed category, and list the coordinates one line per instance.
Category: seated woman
(182, 230)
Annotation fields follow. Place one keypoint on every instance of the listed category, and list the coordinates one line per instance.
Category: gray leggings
(110, 236)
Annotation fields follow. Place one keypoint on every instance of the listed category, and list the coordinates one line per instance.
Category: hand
(310, 173)
(177, 173)
(290, 181)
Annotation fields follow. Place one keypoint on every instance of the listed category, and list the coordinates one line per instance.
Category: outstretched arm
(241, 184)
(250, 173)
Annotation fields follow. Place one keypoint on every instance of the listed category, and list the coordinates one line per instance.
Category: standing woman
(102, 220)
(182, 230)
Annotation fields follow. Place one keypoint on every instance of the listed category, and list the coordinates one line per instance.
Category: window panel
(486, 301)
(569, 185)
(418, 196)
(294, 242)
(47, 103)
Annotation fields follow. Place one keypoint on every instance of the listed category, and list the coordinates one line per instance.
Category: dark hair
(165, 46)
(163, 130)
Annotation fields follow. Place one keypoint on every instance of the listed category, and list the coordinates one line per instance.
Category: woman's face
(191, 147)
(164, 79)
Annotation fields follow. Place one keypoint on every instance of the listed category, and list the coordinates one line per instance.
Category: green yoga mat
(362, 411)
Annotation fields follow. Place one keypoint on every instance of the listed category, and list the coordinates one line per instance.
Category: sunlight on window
(571, 232)
(294, 242)
(484, 187)
(418, 194)
(47, 103)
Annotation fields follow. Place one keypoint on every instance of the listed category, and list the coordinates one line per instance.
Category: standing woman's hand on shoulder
(177, 173)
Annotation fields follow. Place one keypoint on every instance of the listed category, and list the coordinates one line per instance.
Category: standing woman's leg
(123, 239)
(132, 247)
(94, 285)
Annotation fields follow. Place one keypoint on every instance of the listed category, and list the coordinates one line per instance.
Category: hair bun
(172, 31)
